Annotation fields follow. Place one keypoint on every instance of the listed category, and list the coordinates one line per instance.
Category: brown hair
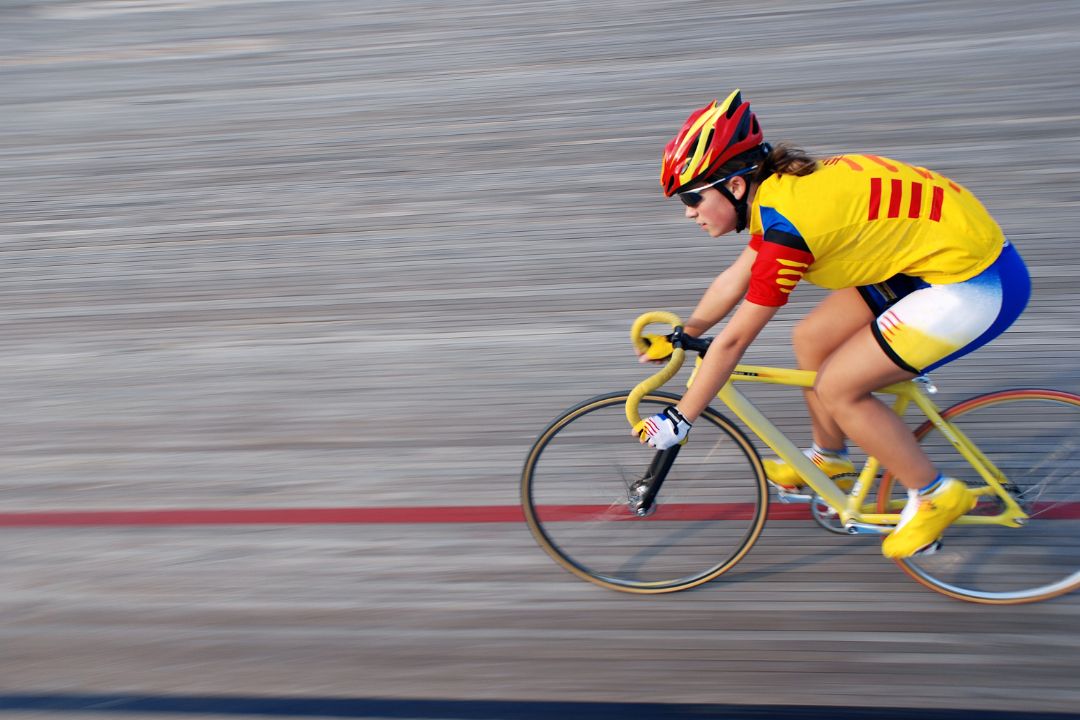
(784, 159)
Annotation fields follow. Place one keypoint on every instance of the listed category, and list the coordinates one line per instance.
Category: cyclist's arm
(724, 354)
(723, 295)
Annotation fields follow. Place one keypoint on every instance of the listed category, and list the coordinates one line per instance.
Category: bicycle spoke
(577, 486)
(1030, 437)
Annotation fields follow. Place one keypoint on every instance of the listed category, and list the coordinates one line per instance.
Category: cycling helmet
(711, 138)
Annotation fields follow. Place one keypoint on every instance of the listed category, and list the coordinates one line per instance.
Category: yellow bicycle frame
(851, 508)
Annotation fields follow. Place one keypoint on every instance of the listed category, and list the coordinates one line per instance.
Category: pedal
(635, 497)
(852, 527)
(791, 497)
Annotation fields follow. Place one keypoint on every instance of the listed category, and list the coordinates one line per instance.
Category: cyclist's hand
(663, 430)
(659, 347)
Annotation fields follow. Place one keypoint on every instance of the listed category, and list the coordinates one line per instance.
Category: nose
(690, 213)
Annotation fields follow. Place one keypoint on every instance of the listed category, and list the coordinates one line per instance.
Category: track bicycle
(630, 518)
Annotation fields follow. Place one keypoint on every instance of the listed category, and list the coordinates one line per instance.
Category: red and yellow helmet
(710, 138)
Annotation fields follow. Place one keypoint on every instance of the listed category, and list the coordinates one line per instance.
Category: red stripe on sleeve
(896, 194)
(776, 271)
(875, 198)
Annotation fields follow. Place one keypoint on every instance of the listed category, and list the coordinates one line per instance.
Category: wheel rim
(1031, 435)
(709, 512)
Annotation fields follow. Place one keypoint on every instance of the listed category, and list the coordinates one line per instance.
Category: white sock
(909, 509)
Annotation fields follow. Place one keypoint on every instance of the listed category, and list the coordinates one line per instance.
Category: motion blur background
(319, 253)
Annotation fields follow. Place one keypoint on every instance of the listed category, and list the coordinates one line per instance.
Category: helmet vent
(733, 105)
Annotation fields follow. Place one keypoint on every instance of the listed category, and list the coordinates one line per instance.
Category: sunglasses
(693, 198)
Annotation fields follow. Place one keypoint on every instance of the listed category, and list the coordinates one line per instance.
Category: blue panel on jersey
(773, 220)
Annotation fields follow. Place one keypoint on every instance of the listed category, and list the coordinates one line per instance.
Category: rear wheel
(1033, 438)
(578, 488)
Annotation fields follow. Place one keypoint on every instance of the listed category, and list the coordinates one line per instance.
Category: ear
(738, 186)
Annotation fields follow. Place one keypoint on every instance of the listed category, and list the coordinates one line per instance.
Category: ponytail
(784, 159)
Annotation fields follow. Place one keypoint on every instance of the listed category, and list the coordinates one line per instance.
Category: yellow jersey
(862, 219)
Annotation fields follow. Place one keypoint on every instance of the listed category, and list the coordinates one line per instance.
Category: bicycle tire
(710, 510)
(1033, 437)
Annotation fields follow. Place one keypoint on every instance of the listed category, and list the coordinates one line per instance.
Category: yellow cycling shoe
(786, 478)
(925, 517)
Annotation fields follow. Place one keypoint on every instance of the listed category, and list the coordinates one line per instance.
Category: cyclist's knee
(835, 390)
(809, 345)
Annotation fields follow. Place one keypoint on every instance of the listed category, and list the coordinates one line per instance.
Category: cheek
(717, 212)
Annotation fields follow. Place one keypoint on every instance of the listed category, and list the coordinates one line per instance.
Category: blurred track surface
(317, 254)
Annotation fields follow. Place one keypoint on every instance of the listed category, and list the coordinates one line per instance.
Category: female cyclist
(920, 273)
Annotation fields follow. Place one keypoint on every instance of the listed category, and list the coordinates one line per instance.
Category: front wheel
(578, 489)
(1033, 438)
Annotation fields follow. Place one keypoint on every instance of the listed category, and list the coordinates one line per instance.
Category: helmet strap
(740, 205)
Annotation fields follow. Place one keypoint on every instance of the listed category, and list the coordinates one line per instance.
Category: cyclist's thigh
(858, 367)
(829, 325)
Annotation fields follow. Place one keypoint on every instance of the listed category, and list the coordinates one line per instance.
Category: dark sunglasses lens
(690, 199)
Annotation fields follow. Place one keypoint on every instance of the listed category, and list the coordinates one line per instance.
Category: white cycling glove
(664, 429)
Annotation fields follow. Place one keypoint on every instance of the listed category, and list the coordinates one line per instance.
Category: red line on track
(700, 512)
(268, 516)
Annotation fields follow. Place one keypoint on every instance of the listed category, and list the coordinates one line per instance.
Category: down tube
(779, 443)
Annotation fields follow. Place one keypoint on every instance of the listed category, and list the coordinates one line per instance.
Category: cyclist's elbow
(732, 344)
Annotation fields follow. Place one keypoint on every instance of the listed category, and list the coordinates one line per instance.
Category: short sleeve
(776, 271)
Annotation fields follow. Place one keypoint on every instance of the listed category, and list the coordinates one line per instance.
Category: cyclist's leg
(830, 325)
(815, 338)
(844, 387)
(924, 329)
